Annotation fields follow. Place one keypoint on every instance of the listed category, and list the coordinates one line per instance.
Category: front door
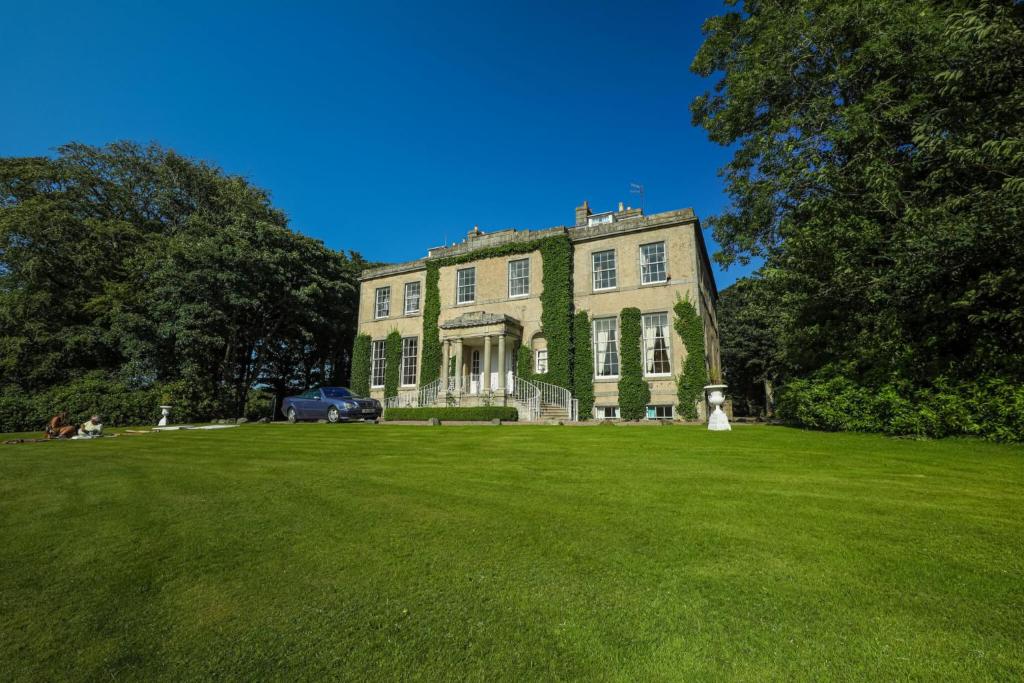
(474, 372)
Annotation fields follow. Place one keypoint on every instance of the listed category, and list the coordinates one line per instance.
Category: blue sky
(382, 127)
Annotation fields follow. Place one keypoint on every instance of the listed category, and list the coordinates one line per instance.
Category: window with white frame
(410, 347)
(663, 412)
(604, 269)
(657, 356)
(652, 263)
(382, 307)
(377, 362)
(606, 347)
(606, 412)
(412, 297)
(519, 277)
(540, 365)
(465, 292)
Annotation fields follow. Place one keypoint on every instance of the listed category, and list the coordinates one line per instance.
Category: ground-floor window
(410, 345)
(606, 412)
(659, 412)
(541, 365)
(377, 364)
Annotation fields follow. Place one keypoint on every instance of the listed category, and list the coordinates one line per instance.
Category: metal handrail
(553, 394)
(527, 393)
(426, 396)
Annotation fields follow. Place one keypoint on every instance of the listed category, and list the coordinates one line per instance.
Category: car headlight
(348, 405)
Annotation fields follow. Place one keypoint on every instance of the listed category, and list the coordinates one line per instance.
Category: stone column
(444, 365)
(458, 365)
(485, 385)
(501, 363)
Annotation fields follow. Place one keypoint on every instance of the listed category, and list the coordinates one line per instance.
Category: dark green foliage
(690, 384)
(430, 363)
(392, 363)
(524, 362)
(556, 309)
(471, 414)
(583, 366)
(750, 326)
(879, 171)
(993, 409)
(359, 384)
(154, 269)
(634, 393)
(556, 304)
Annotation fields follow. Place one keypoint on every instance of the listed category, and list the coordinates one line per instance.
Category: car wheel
(333, 415)
(291, 415)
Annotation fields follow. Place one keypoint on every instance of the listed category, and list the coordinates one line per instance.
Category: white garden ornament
(165, 412)
(717, 421)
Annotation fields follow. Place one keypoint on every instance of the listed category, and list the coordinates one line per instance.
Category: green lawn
(511, 553)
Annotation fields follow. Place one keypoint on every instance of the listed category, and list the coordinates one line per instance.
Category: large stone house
(464, 311)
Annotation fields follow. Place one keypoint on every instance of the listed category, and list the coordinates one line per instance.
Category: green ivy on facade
(359, 383)
(634, 393)
(556, 304)
(392, 363)
(583, 370)
(690, 384)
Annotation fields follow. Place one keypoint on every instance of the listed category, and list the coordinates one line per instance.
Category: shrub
(991, 408)
(690, 384)
(359, 382)
(583, 369)
(392, 363)
(474, 414)
(634, 394)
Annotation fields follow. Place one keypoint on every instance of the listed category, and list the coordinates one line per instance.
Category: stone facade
(494, 305)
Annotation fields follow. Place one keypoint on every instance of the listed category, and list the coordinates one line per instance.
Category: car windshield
(336, 392)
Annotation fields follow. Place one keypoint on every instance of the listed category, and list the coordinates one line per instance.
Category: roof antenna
(637, 188)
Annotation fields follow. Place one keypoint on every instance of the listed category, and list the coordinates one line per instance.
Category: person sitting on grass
(59, 427)
(91, 427)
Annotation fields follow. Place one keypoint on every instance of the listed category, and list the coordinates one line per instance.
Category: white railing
(526, 393)
(552, 394)
(426, 396)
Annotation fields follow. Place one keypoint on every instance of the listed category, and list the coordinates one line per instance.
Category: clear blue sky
(377, 126)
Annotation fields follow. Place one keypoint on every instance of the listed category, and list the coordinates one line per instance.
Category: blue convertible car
(333, 404)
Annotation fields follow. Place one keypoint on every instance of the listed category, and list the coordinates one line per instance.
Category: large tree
(155, 268)
(879, 170)
(751, 328)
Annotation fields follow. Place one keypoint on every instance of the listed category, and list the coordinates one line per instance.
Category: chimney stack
(582, 213)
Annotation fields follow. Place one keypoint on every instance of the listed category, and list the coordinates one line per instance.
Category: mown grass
(511, 553)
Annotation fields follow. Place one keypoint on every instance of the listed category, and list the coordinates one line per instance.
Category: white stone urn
(717, 421)
(165, 412)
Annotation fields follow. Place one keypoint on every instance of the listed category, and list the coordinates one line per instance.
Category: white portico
(478, 353)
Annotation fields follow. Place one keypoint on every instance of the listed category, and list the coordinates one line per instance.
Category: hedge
(556, 304)
(691, 382)
(473, 414)
(990, 408)
(359, 382)
(634, 393)
(583, 369)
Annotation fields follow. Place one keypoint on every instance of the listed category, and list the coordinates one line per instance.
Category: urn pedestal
(165, 412)
(717, 421)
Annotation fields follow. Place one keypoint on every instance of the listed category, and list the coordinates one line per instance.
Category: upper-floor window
(604, 270)
(540, 366)
(412, 297)
(652, 263)
(382, 303)
(465, 292)
(410, 346)
(657, 360)
(377, 363)
(519, 277)
(606, 347)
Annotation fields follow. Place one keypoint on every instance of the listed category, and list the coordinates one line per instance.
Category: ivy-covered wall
(556, 304)
(359, 384)
(524, 362)
(392, 363)
(583, 364)
(634, 393)
(690, 385)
